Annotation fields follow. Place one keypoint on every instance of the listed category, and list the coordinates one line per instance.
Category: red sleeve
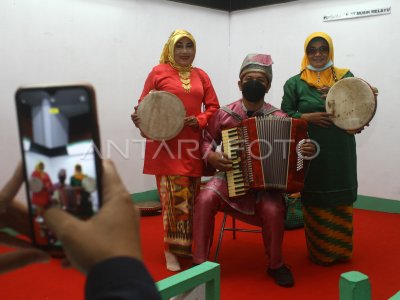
(49, 184)
(210, 100)
(149, 85)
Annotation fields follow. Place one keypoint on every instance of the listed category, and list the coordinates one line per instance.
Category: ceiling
(231, 5)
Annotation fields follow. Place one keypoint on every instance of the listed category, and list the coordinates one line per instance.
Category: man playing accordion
(265, 208)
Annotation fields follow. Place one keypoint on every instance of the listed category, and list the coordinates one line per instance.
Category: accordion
(266, 154)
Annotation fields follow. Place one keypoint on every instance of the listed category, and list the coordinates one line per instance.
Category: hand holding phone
(60, 144)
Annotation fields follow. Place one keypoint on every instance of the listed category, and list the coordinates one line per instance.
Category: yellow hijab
(78, 174)
(167, 55)
(324, 78)
(38, 166)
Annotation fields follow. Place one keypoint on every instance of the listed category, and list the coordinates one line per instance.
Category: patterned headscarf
(39, 166)
(323, 78)
(257, 63)
(167, 57)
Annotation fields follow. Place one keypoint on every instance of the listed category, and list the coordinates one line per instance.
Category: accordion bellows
(266, 154)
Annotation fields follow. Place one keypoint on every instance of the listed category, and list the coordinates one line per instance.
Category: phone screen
(59, 140)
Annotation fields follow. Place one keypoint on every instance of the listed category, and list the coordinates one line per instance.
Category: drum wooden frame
(161, 115)
(352, 103)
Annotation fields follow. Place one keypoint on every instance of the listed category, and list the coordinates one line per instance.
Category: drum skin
(352, 103)
(35, 185)
(89, 184)
(161, 115)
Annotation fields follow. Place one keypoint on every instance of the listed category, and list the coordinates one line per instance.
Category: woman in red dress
(177, 163)
(42, 197)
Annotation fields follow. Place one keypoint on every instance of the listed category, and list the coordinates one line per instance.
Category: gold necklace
(184, 76)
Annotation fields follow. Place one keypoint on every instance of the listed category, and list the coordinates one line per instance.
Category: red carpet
(243, 263)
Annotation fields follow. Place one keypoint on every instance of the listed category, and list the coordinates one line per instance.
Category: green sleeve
(290, 99)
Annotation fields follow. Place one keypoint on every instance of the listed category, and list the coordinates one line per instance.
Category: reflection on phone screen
(57, 139)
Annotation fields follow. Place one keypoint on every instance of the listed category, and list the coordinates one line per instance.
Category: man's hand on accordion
(308, 149)
(219, 161)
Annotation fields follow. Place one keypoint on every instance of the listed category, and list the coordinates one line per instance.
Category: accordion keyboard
(232, 142)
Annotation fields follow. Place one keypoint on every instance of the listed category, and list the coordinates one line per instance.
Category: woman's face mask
(253, 91)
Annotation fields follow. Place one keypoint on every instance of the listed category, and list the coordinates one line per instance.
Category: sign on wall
(357, 13)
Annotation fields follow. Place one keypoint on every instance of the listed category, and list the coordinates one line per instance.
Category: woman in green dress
(84, 209)
(331, 178)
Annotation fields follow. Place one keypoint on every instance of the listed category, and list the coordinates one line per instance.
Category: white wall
(114, 43)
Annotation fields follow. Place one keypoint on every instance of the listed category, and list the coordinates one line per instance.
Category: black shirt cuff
(120, 278)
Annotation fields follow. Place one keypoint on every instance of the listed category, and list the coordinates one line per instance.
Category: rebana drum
(89, 184)
(35, 184)
(352, 103)
(161, 115)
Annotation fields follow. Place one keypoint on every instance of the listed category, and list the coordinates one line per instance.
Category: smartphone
(60, 144)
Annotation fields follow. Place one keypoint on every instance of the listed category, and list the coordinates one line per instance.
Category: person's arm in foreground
(107, 246)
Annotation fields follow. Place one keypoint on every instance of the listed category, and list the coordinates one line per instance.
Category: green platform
(354, 286)
(207, 272)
